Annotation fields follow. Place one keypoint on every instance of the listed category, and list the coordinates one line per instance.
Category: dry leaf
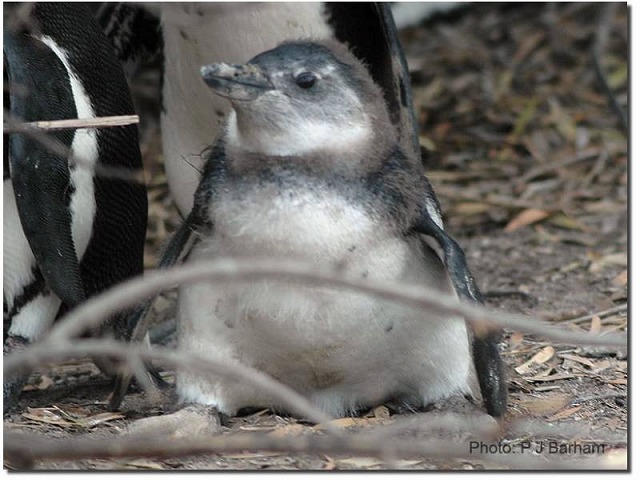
(550, 378)
(569, 267)
(47, 415)
(516, 339)
(360, 462)
(539, 358)
(564, 221)
(619, 77)
(45, 382)
(562, 120)
(526, 217)
(621, 279)
(406, 463)
(94, 420)
(293, 429)
(70, 416)
(620, 259)
(525, 117)
(547, 388)
(544, 355)
(544, 373)
(564, 413)
(577, 358)
(596, 325)
(144, 463)
(621, 366)
(618, 381)
(546, 405)
(470, 208)
(602, 365)
(427, 143)
(331, 463)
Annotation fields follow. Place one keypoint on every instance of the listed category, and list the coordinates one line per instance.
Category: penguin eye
(306, 80)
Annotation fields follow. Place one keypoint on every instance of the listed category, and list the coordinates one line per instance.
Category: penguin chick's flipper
(139, 320)
(40, 90)
(486, 356)
(370, 31)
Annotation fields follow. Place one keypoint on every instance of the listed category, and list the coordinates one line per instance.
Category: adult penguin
(74, 218)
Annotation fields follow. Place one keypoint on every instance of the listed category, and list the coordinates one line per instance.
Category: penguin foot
(462, 404)
(190, 421)
(12, 386)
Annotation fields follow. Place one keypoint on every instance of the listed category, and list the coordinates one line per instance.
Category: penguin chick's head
(302, 98)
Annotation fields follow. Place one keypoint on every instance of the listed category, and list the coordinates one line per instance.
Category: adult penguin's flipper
(41, 179)
(369, 29)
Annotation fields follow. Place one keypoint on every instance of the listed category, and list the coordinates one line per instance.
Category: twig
(58, 149)
(92, 312)
(25, 447)
(602, 396)
(601, 313)
(551, 166)
(32, 447)
(510, 203)
(73, 123)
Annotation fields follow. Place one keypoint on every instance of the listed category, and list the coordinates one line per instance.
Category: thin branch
(601, 313)
(29, 447)
(95, 310)
(58, 149)
(561, 162)
(73, 123)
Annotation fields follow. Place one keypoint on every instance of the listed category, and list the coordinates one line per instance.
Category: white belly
(342, 349)
(18, 265)
(201, 34)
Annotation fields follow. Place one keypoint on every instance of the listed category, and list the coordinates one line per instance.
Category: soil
(529, 160)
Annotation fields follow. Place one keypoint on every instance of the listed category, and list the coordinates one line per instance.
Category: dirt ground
(529, 159)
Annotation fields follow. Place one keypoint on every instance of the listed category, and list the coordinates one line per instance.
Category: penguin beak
(236, 82)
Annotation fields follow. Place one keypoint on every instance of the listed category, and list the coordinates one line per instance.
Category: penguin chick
(310, 168)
